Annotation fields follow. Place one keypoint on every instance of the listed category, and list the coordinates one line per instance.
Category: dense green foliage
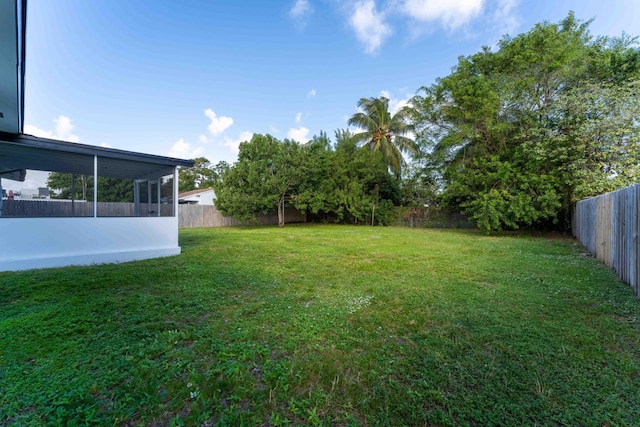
(267, 172)
(115, 190)
(341, 183)
(109, 189)
(64, 184)
(325, 325)
(201, 175)
(517, 135)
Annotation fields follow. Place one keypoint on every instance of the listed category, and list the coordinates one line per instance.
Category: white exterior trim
(29, 243)
(95, 186)
(175, 191)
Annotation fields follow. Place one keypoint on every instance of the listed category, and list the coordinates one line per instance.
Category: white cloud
(33, 179)
(183, 150)
(105, 145)
(300, 12)
(234, 144)
(369, 25)
(395, 104)
(503, 17)
(35, 131)
(63, 130)
(203, 139)
(218, 124)
(451, 13)
(300, 134)
(311, 93)
(298, 117)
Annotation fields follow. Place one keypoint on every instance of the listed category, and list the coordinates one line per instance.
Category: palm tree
(384, 132)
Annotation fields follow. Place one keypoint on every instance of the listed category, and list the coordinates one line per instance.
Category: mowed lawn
(325, 325)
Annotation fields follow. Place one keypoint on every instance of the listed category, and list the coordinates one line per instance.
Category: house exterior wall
(206, 198)
(58, 242)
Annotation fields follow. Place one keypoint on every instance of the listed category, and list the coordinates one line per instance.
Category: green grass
(325, 325)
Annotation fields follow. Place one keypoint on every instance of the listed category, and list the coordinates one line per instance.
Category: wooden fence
(191, 216)
(65, 208)
(608, 227)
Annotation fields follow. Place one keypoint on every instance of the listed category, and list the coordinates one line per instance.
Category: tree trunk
(83, 181)
(373, 208)
(281, 211)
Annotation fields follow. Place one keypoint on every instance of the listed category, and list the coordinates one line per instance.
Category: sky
(195, 78)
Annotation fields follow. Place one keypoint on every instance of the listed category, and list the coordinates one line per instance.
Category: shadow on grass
(121, 341)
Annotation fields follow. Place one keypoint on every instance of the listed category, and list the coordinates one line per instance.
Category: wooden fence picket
(608, 226)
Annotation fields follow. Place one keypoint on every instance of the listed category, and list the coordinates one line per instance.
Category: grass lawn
(325, 325)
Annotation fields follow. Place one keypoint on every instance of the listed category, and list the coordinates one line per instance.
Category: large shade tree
(520, 133)
(267, 174)
(384, 132)
(201, 175)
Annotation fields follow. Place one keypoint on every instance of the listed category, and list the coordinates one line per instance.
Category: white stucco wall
(27, 243)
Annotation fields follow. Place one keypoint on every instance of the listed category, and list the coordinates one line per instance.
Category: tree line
(513, 137)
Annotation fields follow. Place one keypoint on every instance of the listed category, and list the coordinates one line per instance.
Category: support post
(175, 191)
(158, 195)
(95, 186)
(136, 198)
(73, 194)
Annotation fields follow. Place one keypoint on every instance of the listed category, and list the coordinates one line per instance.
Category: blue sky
(194, 78)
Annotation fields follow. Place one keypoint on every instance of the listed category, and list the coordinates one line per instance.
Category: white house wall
(206, 198)
(28, 243)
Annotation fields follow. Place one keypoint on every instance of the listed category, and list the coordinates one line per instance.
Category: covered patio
(140, 223)
(106, 205)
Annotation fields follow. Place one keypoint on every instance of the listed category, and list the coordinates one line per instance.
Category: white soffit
(10, 98)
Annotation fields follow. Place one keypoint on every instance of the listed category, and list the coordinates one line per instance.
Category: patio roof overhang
(19, 152)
